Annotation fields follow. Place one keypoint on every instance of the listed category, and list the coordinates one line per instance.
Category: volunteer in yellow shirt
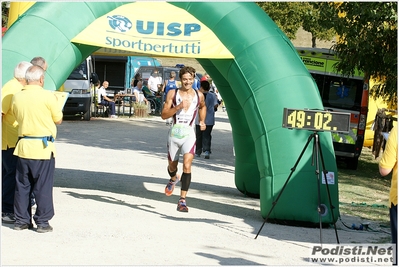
(37, 113)
(9, 128)
(388, 163)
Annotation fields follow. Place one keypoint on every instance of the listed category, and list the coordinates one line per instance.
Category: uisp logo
(119, 23)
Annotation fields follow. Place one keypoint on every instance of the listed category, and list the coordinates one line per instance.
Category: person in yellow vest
(37, 112)
(9, 139)
(388, 164)
(41, 62)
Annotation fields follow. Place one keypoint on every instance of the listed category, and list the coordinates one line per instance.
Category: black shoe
(44, 229)
(23, 227)
(7, 218)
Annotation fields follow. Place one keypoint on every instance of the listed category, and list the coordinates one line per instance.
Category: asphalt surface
(110, 206)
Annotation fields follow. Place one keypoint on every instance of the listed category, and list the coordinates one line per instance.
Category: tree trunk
(313, 41)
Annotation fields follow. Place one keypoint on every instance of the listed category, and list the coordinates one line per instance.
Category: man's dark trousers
(204, 138)
(9, 165)
(111, 106)
(35, 176)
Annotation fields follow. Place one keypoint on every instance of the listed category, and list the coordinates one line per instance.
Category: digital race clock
(316, 120)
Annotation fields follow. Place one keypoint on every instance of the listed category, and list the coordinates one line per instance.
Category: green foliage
(367, 35)
(140, 106)
(290, 16)
(314, 23)
(368, 41)
(287, 15)
(4, 14)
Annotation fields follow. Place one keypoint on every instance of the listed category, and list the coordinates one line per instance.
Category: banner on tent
(148, 28)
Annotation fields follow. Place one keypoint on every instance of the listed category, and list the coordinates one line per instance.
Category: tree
(290, 16)
(312, 22)
(367, 42)
(4, 13)
(287, 15)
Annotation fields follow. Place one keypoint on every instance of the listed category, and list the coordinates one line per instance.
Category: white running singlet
(181, 137)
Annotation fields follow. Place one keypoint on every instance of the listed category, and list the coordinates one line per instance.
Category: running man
(183, 104)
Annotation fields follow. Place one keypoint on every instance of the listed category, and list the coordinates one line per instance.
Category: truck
(79, 85)
(340, 94)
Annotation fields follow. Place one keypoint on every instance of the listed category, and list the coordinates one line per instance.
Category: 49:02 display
(316, 120)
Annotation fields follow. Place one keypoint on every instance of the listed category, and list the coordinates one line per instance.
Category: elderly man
(138, 93)
(37, 112)
(9, 140)
(104, 100)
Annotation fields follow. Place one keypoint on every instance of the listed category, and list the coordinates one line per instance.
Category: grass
(363, 192)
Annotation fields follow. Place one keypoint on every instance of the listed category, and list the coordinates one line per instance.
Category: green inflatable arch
(265, 76)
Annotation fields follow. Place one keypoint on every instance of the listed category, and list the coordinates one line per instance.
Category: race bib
(180, 131)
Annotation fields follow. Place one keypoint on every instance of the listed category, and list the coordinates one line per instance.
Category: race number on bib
(180, 131)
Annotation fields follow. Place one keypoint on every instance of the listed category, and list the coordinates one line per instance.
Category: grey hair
(38, 61)
(20, 69)
(34, 73)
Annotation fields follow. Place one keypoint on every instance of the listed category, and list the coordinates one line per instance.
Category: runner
(183, 104)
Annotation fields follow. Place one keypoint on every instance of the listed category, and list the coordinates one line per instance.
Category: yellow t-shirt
(390, 160)
(36, 111)
(9, 126)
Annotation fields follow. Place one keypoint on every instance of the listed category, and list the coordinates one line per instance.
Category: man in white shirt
(138, 93)
(103, 99)
(154, 82)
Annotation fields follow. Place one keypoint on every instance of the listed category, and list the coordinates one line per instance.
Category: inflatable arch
(258, 75)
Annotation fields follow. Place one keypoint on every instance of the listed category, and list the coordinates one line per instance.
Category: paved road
(111, 209)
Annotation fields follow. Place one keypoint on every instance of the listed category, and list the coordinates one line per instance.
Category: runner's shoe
(171, 186)
(182, 206)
